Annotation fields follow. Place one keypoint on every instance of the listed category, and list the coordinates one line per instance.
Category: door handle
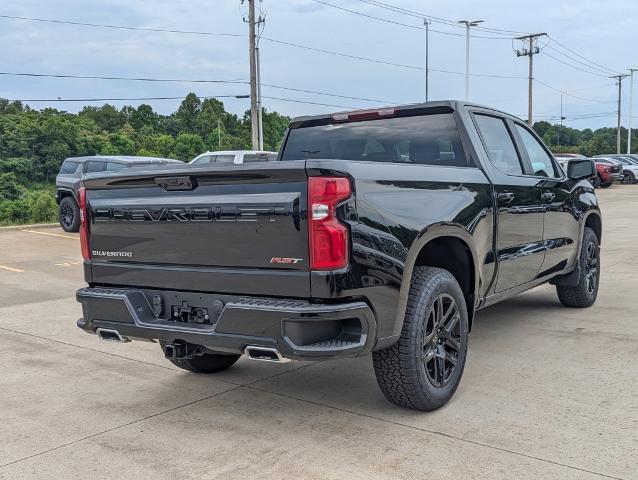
(506, 197)
(548, 196)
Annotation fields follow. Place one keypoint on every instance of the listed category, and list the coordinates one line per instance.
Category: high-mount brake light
(84, 224)
(328, 237)
(359, 115)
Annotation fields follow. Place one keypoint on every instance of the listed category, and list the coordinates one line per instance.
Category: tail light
(84, 224)
(327, 236)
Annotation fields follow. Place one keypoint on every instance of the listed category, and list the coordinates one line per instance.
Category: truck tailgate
(216, 229)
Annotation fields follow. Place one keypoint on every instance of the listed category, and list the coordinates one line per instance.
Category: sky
(594, 31)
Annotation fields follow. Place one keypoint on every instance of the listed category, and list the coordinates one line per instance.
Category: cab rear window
(426, 140)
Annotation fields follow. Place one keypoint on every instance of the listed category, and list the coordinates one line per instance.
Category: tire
(585, 293)
(596, 181)
(69, 215)
(629, 178)
(409, 372)
(207, 363)
(606, 185)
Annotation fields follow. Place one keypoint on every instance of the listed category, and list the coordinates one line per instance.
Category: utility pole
(560, 132)
(631, 101)
(426, 22)
(260, 128)
(219, 134)
(619, 78)
(468, 24)
(530, 48)
(254, 111)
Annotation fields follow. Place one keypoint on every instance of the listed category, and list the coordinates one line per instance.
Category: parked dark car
(70, 175)
(380, 231)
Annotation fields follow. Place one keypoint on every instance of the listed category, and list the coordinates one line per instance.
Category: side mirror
(577, 169)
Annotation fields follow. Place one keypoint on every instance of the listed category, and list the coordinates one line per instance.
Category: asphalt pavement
(548, 392)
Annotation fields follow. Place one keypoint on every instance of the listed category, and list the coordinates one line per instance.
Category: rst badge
(285, 260)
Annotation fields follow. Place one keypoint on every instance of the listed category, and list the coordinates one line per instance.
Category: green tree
(187, 146)
(9, 188)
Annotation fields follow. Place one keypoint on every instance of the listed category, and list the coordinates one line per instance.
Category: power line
(586, 65)
(113, 99)
(341, 54)
(355, 12)
(182, 80)
(569, 94)
(574, 66)
(120, 27)
(132, 99)
(553, 39)
(445, 21)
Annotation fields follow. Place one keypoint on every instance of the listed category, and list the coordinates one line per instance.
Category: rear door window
(224, 158)
(95, 166)
(202, 160)
(499, 144)
(114, 167)
(426, 139)
(69, 167)
(259, 157)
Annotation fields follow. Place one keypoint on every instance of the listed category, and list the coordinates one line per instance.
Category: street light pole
(426, 22)
(468, 24)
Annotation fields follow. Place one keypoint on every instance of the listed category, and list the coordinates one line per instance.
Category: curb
(34, 226)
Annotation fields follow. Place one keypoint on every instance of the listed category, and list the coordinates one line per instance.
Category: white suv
(234, 156)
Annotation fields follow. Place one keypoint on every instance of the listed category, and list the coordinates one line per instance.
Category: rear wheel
(206, 363)
(585, 293)
(424, 368)
(69, 215)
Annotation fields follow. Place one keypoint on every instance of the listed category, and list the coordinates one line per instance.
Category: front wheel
(606, 184)
(206, 363)
(424, 368)
(584, 294)
(628, 177)
(596, 181)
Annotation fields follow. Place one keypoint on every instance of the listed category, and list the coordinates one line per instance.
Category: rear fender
(425, 236)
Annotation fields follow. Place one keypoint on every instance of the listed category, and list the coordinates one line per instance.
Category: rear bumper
(298, 329)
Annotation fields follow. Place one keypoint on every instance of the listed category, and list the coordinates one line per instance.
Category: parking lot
(548, 392)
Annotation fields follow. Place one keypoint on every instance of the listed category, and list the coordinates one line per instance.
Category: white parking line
(11, 269)
(51, 234)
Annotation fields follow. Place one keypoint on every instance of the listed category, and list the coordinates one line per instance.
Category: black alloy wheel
(441, 340)
(66, 215)
(69, 215)
(591, 267)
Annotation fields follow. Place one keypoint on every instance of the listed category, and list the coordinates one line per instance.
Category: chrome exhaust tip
(109, 335)
(264, 354)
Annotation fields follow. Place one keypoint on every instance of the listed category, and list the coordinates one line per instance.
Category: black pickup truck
(379, 231)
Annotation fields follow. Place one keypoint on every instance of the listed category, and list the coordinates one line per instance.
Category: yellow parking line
(52, 234)
(69, 264)
(17, 270)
